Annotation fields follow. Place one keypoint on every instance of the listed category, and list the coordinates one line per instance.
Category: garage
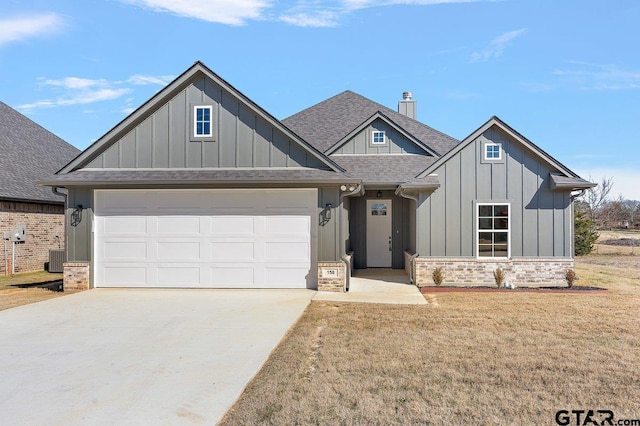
(205, 238)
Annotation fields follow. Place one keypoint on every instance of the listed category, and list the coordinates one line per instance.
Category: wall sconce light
(379, 194)
(76, 215)
(327, 211)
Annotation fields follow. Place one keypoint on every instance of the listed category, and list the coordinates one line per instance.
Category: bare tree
(597, 197)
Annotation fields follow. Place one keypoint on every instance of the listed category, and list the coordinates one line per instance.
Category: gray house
(201, 187)
(28, 154)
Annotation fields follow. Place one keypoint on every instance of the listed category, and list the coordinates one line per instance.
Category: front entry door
(379, 233)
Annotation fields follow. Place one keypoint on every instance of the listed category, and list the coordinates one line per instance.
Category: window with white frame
(492, 151)
(493, 230)
(377, 137)
(202, 121)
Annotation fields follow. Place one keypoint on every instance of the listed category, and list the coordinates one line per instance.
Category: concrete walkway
(377, 286)
(137, 357)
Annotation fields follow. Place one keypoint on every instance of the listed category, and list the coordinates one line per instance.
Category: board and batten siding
(241, 137)
(396, 143)
(540, 219)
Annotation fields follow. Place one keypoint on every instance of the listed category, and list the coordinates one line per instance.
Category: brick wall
(480, 271)
(328, 282)
(41, 221)
(76, 276)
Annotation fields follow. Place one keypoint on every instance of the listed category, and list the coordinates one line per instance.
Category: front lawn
(466, 358)
(12, 296)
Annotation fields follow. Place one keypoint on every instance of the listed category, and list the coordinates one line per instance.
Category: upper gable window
(492, 151)
(202, 121)
(378, 137)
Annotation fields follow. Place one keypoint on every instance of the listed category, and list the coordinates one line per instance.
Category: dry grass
(11, 296)
(468, 358)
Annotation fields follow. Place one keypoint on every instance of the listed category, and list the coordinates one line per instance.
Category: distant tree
(597, 197)
(585, 233)
(632, 211)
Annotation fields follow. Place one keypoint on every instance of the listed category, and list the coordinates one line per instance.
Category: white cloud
(70, 91)
(587, 76)
(497, 46)
(231, 12)
(141, 80)
(20, 28)
(625, 180)
(320, 18)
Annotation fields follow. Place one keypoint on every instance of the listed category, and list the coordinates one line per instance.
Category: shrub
(585, 233)
(570, 276)
(498, 275)
(438, 276)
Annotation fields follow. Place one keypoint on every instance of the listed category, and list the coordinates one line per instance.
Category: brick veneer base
(332, 284)
(76, 276)
(479, 271)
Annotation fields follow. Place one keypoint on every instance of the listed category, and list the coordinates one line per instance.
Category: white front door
(379, 233)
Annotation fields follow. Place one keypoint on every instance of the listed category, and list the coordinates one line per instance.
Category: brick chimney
(407, 106)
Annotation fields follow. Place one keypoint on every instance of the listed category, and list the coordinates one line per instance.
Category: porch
(377, 285)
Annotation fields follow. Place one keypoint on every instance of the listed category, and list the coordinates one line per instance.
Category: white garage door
(240, 238)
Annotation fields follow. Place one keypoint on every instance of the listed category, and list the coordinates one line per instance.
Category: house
(201, 187)
(29, 153)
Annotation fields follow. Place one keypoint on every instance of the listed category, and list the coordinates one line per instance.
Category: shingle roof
(29, 153)
(178, 177)
(379, 169)
(327, 122)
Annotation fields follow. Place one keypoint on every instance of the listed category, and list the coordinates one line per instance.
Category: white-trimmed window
(493, 230)
(377, 137)
(202, 126)
(492, 151)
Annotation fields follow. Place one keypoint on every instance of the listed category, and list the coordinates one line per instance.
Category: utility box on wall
(19, 235)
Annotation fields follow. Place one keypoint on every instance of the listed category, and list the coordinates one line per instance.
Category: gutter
(65, 194)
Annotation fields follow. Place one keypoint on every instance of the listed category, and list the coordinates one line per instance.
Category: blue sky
(564, 73)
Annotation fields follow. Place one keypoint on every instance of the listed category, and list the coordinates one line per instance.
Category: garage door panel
(234, 225)
(125, 225)
(232, 276)
(114, 250)
(178, 225)
(240, 244)
(287, 225)
(286, 276)
(178, 250)
(179, 276)
(287, 250)
(227, 250)
(124, 275)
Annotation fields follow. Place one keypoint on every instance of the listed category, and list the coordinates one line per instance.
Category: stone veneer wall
(41, 221)
(335, 284)
(480, 271)
(76, 276)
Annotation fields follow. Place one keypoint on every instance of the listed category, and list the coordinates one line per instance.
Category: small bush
(570, 276)
(438, 276)
(498, 275)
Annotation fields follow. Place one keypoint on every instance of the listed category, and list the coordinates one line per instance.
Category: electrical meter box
(19, 235)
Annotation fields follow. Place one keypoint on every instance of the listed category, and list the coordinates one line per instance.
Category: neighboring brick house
(28, 154)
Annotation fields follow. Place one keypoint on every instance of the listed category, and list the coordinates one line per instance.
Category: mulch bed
(576, 289)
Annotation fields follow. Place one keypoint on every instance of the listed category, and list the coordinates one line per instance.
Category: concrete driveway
(159, 357)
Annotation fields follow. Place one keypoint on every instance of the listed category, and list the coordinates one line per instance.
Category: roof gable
(327, 123)
(158, 135)
(30, 153)
(415, 146)
(513, 134)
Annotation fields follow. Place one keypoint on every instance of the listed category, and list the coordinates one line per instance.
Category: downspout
(56, 191)
(400, 191)
(347, 263)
